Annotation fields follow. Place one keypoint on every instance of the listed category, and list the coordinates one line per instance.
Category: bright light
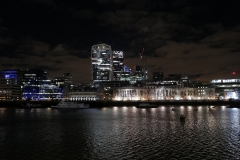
(177, 97)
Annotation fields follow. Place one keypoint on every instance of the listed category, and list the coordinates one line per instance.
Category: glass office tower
(118, 66)
(101, 55)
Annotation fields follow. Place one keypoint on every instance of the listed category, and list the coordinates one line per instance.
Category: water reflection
(121, 133)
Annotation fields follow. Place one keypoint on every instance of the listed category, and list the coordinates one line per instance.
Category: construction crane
(141, 54)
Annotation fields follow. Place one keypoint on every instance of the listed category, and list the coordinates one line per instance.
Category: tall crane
(144, 65)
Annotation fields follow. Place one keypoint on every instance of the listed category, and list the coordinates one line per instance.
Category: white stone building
(156, 93)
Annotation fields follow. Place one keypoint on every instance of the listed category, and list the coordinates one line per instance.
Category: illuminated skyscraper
(101, 55)
(118, 66)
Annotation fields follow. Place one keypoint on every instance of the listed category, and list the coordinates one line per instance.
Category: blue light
(127, 69)
(10, 76)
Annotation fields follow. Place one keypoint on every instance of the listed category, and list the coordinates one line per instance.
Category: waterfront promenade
(96, 104)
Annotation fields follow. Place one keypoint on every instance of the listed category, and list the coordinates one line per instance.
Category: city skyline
(195, 39)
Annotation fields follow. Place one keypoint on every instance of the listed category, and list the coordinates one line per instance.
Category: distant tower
(101, 55)
(138, 69)
(144, 69)
(157, 76)
(138, 73)
(67, 77)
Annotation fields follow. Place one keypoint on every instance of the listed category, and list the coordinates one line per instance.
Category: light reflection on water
(120, 133)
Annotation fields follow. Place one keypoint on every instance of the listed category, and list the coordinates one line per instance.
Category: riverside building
(226, 88)
(11, 85)
(38, 86)
(163, 92)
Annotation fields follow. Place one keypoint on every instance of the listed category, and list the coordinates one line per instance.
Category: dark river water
(121, 133)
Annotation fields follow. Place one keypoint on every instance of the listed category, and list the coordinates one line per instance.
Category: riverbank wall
(99, 104)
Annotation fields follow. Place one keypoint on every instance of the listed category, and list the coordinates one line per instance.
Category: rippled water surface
(120, 133)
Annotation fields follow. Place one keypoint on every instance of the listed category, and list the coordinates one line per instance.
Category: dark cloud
(46, 2)
(32, 47)
(5, 37)
(82, 14)
(198, 38)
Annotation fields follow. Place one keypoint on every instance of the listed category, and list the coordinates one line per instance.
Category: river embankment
(98, 104)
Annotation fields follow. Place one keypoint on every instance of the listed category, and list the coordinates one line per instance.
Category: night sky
(199, 39)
